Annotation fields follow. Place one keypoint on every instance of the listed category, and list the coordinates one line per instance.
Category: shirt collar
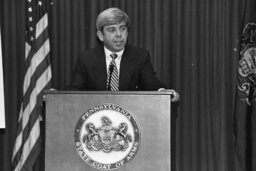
(108, 52)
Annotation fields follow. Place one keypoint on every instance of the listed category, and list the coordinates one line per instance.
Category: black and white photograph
(128, 85)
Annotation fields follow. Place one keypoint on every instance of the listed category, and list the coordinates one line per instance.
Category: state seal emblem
(107, 137)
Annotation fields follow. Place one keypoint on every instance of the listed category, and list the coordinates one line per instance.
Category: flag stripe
(27, 50)
(34, 152)
(18, 138)
(29, 114)
(36, 60)
(33, 136)
(42, 25)
(31, 90)
(32, 76)
(41, 39)
(41, 83)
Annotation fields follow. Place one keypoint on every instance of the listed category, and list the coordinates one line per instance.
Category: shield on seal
(106, 135)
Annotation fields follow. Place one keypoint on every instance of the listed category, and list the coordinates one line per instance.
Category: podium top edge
(109, 92)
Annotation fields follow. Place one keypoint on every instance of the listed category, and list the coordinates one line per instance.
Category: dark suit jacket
(136, 71)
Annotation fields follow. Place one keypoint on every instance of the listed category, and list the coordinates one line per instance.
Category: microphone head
(111, 68)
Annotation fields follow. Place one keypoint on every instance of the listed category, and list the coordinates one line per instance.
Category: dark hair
(111, 16)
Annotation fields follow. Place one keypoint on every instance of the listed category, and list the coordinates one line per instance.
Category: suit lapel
(125, 69)
(100, 69)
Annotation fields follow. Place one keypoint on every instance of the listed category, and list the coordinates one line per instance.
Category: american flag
(37, 78)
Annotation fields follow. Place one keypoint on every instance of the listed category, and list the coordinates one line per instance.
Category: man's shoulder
(136, 50)
(89, 53)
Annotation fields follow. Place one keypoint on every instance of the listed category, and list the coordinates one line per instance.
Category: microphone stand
(111, 68)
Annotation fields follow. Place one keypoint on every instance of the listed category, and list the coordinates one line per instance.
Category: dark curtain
(194, 49)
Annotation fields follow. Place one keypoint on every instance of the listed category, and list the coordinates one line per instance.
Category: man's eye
(123, 28)
(111, 29)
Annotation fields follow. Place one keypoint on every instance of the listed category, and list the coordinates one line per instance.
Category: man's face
(114, 36)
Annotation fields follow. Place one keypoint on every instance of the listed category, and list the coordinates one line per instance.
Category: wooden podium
(123, 131)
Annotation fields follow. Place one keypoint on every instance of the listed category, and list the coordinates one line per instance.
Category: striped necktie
(112, 80)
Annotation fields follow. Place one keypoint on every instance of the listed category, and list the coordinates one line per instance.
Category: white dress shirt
(109, 59)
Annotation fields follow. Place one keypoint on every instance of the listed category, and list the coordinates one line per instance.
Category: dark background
(194, 48)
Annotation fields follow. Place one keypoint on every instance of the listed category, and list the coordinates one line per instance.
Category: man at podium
(114, 65)
(107, 136)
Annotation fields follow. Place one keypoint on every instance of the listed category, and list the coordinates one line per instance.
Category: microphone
(111, 69)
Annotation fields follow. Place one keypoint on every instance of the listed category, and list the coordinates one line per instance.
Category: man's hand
(175, 95)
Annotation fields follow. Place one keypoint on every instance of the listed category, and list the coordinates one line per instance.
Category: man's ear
(100, 35)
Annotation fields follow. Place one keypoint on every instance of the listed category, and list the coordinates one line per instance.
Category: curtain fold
(12, 25)
(194, 50)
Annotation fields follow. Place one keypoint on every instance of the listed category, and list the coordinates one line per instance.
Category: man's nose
(118, 33)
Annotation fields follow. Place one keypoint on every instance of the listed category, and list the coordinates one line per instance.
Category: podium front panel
(151, 111)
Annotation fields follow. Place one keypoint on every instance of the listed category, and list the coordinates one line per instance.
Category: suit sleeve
(148, 79)
(79, 77)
